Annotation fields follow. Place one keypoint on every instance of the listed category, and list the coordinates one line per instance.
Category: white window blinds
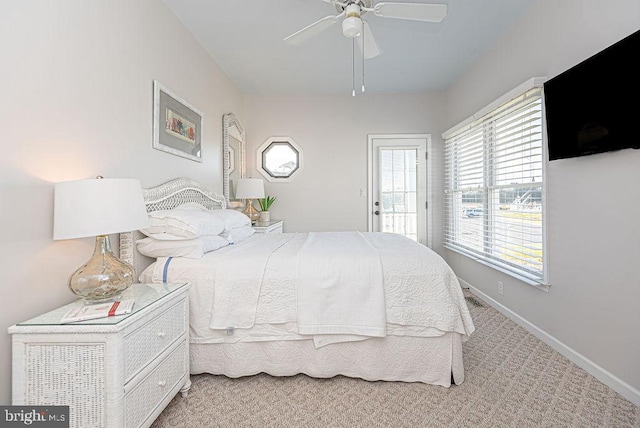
(494, 187)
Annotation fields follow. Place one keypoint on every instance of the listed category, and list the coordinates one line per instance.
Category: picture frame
(177, 125)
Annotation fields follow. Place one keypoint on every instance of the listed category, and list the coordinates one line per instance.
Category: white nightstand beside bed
(112, 372)
(272, 226)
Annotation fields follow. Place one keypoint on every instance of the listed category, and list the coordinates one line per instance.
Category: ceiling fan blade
(370, 46)
(413, 11)
(313, 29)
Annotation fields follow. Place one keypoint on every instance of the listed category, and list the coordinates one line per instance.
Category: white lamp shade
(98, 207)
(250, 188)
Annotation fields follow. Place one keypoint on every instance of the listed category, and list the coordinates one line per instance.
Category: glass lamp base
(86, 301)
(104, 277)
(251, 212)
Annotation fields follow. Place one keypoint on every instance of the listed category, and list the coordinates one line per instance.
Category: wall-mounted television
(594, 107)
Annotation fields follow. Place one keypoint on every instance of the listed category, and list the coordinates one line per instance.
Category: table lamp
(99, 207)
(250, 189)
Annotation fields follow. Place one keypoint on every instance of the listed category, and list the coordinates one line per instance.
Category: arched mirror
(233, 159)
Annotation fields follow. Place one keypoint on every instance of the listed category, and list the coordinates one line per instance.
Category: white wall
(77, 102)
(593, 202)
(332, 131)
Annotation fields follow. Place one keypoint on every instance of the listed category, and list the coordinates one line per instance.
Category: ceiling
(245, 38)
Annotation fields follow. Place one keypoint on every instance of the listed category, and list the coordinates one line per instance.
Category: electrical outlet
(500, 288)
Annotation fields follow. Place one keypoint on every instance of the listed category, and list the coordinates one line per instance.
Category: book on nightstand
(99, 310)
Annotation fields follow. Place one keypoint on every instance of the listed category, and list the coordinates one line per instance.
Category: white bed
(387, 308)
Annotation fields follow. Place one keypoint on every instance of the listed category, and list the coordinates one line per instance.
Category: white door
(398, 185)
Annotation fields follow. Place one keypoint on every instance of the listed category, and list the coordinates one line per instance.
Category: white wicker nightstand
(113, 372)
(273, 226)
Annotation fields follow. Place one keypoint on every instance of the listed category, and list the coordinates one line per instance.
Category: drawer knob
(162, 334)
(162, 383)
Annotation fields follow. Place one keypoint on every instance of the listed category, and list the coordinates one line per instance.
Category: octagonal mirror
(279, 159)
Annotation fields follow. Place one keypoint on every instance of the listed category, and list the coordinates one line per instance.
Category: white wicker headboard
(165, 197)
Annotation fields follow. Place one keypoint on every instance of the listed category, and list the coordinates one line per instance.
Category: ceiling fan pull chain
(353, 67)
(364, 23)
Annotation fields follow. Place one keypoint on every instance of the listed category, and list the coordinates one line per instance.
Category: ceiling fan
(353, 26)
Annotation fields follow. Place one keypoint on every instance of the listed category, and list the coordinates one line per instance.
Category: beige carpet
(512, 379)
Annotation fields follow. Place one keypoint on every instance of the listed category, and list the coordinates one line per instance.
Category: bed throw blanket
(340, 288)
(236, 291)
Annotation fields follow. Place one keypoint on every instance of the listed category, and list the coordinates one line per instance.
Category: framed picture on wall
(177, 125)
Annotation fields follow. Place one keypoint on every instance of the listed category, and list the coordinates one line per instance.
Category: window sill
(537, 284)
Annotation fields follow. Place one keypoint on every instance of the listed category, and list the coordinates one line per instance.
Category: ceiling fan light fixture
(352, 24)
(352, 27)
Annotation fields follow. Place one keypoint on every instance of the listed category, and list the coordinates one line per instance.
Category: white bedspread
(339, 285)
(421, 293)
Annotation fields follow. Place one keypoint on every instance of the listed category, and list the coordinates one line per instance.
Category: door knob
(376, 212)
(376, 203)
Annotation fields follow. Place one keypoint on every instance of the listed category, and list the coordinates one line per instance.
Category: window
(279, 158)
(399, 190)
(494, 185)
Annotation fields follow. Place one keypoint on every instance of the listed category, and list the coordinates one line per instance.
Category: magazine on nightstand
(99, 310)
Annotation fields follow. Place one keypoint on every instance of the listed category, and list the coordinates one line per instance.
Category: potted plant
(265, 204)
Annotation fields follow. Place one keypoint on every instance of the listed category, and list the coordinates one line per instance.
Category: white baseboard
(613, 382)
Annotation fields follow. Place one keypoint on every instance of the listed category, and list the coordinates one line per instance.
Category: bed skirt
(432, 360)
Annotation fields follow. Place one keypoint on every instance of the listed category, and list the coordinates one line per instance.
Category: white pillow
(187, 221)
(162, 236)
(146, 277)
(189, 248)
(232, 219)
(238, 234)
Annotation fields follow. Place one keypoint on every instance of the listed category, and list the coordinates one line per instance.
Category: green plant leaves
(266, 202)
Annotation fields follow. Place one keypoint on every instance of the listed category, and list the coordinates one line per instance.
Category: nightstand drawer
(148, 341)
(140, 403)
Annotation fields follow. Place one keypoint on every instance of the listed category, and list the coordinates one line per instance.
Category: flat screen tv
(594, 107)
